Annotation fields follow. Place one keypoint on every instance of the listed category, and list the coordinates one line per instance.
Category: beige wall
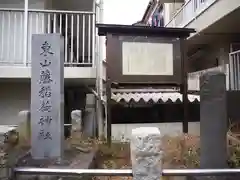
(14, 97)
(124, 130)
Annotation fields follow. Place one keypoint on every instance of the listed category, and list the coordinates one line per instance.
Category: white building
(75, 20)
(215, 45)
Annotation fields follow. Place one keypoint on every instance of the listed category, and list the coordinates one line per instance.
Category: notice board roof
(130, 30)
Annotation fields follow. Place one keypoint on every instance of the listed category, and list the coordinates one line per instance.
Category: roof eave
(129, 30)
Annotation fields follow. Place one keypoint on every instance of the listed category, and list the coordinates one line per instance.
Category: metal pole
(25, 35)
(99, 77)
(109, 120)
(122, 172)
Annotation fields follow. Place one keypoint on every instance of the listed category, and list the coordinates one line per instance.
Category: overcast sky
(124, 11)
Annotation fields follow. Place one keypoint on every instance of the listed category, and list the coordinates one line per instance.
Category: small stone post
(89, 120)
(213, 120)
(24, 127)
(146, 153)
(76, 116)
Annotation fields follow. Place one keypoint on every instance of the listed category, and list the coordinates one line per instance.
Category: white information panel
(145, 58)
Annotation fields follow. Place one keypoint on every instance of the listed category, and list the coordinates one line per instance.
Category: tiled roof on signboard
(117, 29)
(155, 97)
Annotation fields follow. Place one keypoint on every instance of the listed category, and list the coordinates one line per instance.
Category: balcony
(211, 18)
(189, 11)
(76, 27)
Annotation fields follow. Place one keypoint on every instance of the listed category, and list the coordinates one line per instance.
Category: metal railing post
(25, 35)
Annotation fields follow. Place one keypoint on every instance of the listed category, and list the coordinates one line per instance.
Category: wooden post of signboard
(109, 121)
(184, 86)
(108, 95)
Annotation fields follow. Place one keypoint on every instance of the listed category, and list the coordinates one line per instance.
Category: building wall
(169, 10)
(73, 5)
(123, 131)
(209, 13)
(14, 97)
(214, 55)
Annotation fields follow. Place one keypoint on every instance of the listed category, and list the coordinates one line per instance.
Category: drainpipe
(100, 48)
(25, 35)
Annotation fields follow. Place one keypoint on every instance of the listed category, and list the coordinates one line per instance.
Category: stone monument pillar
(47, 96)
(89, 120)
(213, 120)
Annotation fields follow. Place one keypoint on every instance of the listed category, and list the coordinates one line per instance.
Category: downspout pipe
(99, 78)
(25, 35)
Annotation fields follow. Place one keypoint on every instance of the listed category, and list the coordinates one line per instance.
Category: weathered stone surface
(47, 96)
(89, 121)
(76, 116)
(146, 154)
(24, 127)
(10, 150)
(213, 120)
(4, 173)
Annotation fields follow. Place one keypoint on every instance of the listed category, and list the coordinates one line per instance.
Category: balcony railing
(234, 69)
(194, 78)
(189, 11)
(77, 28)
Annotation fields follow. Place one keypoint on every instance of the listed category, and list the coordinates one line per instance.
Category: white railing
(77, 28)
(194, 78)
(234, 70)
(189, 11)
